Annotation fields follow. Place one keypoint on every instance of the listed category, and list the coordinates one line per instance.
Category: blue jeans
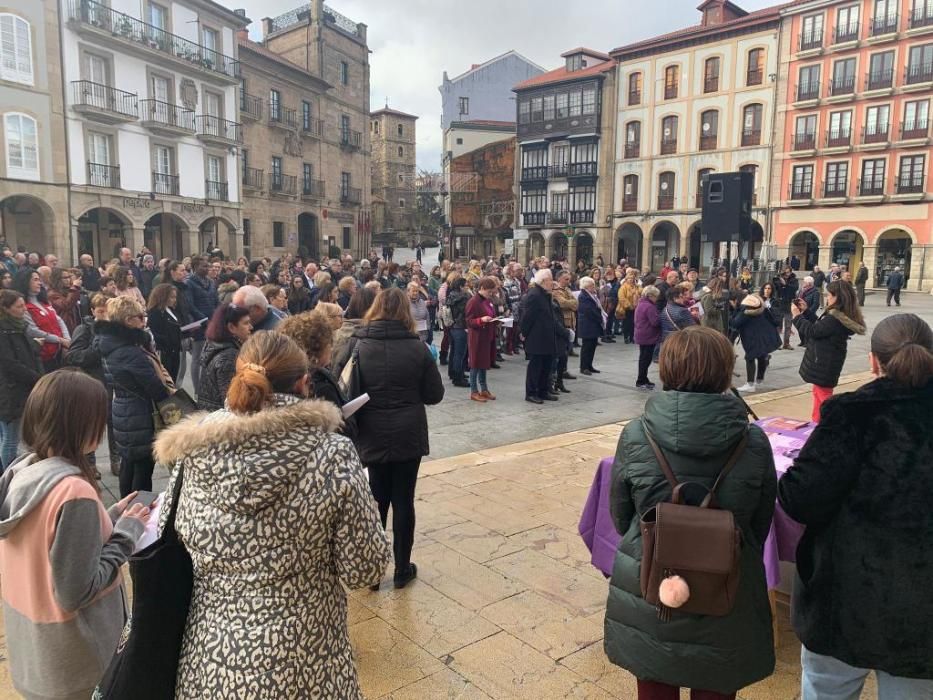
(9, 442)
(828, 678)
(478, 380)
(458, 349)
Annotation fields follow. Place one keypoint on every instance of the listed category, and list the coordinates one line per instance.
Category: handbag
(350, 382)
(170, 411)
(145, 664)
(700, 545)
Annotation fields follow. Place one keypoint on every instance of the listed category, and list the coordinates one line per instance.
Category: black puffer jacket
(863, 485)
(84, 353)
(401, 377)
(826, 342)
(20, 368)
(758, 329)
(218, 365)
(130, 368)
(457, 301)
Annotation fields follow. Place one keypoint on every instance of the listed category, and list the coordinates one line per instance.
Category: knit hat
(752, 301)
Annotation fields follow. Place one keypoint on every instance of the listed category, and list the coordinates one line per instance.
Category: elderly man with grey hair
(542, 333)
(255, 302)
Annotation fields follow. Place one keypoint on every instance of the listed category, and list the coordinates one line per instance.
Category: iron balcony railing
(709, 143)
(582, 216)
(879, 80)
(211, 126)
(312, 188)
(751, 137)
(558, 218)
(163, 183)
(800, 190)
(845, 33)
(584, 169)
(557, 170)
(921, 16)
(313, 128)
(135, 31)
(835, 189)
(535, 172)
(711, 83)
(536, 218)
(838, 138)
(100, 175)
(166, 114)
(918, 73)
(250, 106)
(668, 146)
(805, 141)
(811, 40)
(283, 116)
(670, 92)
(283, 184)
(215, 190)
(105, 98)
(883, 25)
(634, 97)
(633, 150)
(252, 178)
(665, 202)
(842, 86)
(630, 202)
(871, 187)
(755, 76)
(910, 184)
(875, 134)
(351, 195)
(808, 91)
(915, 129)
(350, 138)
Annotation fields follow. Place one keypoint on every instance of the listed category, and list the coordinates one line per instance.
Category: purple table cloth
(786, 436)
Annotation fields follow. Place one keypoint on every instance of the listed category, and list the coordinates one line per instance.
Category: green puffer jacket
(696, 432)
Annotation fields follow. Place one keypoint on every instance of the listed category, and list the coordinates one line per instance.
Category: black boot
(561, 388)
(443, 357)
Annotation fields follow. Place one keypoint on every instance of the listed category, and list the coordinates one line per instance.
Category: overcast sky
(414, 41)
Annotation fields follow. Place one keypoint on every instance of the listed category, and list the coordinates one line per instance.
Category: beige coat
(568, 305)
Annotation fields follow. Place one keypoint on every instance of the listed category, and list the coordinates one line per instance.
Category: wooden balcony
(668, 147)
(665, 202)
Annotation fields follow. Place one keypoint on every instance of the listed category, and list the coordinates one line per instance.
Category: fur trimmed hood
(852, 326)
(223, 427)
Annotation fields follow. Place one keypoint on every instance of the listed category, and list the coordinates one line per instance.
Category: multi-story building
(392, 134)
(305, 107)
(853, 160)
(152, 125)
(691, 102)
(565, 147)
(33, 169)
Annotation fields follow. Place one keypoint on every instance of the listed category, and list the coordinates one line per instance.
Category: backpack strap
(662, 461)
(733, 458)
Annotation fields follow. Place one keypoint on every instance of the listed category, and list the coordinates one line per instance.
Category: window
(345, 128)
(401, 203)
(575, 104)
(534, 205)
(164, 160)
(275, 105)
(213, 107)
(574, 63)
(459, 142)
(811, 33)
(161, 89)
(847, 24)
(910, 179)
(247, 227)
(837, 180)
(668, 135)
(278, 234)
(346, 237)
(921, 14)
(306, 116)
(524, 112)
(802, 183)
(583, 202)
(671, 79)
(583, 157)
(99, 172)
(158, 16)
(751, 125)
(401, 152)
(805, 132)
(630, 193)
(703, 172)
(589, 100)
(307, 176)
(548, 107)
(754, 75)
(711, 75)
(884, 18)
(164, 180)
(15, 49)
(753, 169)
(345, 183)
(881, 70)
(96, 69)
(560, 159)
(344, 73)
(876, 123)
(633, 139)
(400, 130)
(666, 190)
(873, 173)
(843, 77)
(808, 87)
(920, 64)
(634, 89)
(561, 108)
(464, 105)
(209, 39)
(709, 130)
(537, 109)
(276, 172)
(916, 119)
(216, 186)
(840, 129)
(534, 163)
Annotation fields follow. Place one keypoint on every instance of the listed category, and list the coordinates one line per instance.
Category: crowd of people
(280, 351)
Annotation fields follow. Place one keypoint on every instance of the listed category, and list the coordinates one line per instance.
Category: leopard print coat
(277, 515)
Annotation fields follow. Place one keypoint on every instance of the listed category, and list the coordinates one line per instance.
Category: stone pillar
(870, 258)
(192, 240)
(235, 238)
(572, 252)
(135, 238)
(824, 256)
(523, 251)
(646, 251)
(921, 265)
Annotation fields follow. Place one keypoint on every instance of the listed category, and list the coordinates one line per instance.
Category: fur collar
(852, 326)
(199, 431)
(123, 334)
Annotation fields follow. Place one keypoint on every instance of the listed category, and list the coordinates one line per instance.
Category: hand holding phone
(143, 498)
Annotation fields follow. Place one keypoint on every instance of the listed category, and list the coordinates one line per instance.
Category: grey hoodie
(60, 556)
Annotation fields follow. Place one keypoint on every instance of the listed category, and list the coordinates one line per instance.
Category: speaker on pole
(727, 207)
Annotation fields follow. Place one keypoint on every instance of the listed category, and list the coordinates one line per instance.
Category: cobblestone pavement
(506, 604)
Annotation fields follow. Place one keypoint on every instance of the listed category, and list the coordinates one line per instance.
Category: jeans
(478, 380)
(393, 484)
(653, 690)
(645, 355)
(587, 353)
(458, 349)
(537, 375)
(750, 371)
(9, 442)
(197, 347)
(894, 294)
(135, 475)
(828, 678)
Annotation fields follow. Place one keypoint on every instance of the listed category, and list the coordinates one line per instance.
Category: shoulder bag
(350, 382)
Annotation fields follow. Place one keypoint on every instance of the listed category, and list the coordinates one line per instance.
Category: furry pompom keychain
(674, 592)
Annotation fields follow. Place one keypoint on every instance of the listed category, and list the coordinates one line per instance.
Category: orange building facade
(853, 163)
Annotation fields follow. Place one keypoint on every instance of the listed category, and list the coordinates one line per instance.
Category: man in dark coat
(202, 297)
(90, 275)
(539, 329)
(785, 291)
(894, 285)
(861, 279)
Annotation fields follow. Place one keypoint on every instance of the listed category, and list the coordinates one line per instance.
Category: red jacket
(47, 321)
(481, 337)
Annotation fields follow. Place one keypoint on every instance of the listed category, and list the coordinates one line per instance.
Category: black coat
(863, 485)
(90, 278)
(758, 330)
(324, 385)
(84, 353)
(589, 318)
(166, 331)
(457, 302)
(539, 325)
(130, 369)
(785, 291)
(146, 280)
(826, 341)
(218, 365)
(20, 369)
(401, 377)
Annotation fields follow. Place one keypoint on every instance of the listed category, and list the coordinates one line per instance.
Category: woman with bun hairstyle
(277, 516)
(863, 486)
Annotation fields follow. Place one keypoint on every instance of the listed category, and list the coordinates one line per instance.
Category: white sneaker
(747, 387)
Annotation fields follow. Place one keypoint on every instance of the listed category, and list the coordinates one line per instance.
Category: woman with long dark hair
(229, 328)
(165, 326)
(20, 369)
(827, 339)
(359, 304)
(43, 322)
(299, 298)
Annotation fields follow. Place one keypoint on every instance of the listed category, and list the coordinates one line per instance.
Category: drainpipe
(72, 234)
(774, 109)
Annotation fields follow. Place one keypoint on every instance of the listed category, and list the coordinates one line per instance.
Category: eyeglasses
(141, 317)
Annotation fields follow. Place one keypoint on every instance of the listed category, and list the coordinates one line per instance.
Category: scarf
(10, 323)
(602, 311)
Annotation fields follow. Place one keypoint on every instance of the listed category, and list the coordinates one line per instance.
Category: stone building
(33, 169)
(482, 207)
(306, 157)
(392, 134)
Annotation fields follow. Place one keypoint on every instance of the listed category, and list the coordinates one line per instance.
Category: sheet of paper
(421, 325)
(151, 533)
(193, 326)
(351, 407)
(506, 321)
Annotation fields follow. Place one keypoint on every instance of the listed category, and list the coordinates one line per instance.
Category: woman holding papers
(481, 338)
(165, 326)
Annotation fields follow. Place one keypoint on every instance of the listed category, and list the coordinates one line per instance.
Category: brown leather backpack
(701, 544)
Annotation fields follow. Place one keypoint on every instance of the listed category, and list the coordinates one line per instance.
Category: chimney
(317, 10)
(266, 27)
(242, 35)
(719, 11)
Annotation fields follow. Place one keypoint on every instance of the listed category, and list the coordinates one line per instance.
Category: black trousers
(750, 372)
(171, 360)
(645, 355)
(894, 294)
(393, 484)
(628, 325)
(588, 352)
(135, 475)
(538, 374)
(860, 292)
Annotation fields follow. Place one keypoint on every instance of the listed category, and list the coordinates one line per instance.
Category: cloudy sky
(414, 41)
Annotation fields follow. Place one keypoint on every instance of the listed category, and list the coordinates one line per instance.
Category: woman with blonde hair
(331, 312)
(268, 579)
(629, 294)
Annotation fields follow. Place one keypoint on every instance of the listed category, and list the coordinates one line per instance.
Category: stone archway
(806, 246)
(846, 248)
(629, 241)
(166, 235)
(536, 245)
(102, 232)
(584, 247)
(309, 237)
(893, 250)
(665, 244)
(29, 222)
(217, 232)
(697, 252)
(557, 246)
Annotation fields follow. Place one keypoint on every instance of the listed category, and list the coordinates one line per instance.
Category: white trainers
(746, 387)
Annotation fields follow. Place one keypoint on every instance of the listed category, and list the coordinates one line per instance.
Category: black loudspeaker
(727, 207)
